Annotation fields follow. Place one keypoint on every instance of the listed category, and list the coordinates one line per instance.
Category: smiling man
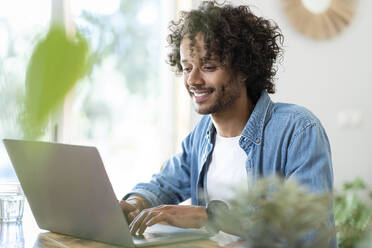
(226, 55)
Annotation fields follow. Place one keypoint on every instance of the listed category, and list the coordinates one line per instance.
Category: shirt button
(257, 141)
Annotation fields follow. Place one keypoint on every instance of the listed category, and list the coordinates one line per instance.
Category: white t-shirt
(227, 169)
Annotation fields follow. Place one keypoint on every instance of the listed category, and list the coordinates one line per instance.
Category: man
(226, 55)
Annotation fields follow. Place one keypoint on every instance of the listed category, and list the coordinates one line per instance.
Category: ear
(241, 77)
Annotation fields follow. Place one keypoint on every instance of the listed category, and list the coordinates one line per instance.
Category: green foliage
(352, 214)
(56, 64)
(273, 213)
(357, 184)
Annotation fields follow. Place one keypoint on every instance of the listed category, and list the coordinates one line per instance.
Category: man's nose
(194, 78)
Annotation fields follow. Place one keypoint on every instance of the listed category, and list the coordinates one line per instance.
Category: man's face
(212, 86)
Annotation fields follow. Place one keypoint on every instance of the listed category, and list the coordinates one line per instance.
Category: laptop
(69, 192)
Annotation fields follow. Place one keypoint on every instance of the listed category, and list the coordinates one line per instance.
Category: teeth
(200, 94)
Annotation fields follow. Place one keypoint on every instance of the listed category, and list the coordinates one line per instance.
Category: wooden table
(27, 234)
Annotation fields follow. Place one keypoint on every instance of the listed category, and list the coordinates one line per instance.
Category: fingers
(152, 219)
(146, 218)
(138, 221)
(133, 215)
(129, 210)
(143, 224)
(156, 219)
(176, 215)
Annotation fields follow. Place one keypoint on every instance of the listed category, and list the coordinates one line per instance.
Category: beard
(224, 97)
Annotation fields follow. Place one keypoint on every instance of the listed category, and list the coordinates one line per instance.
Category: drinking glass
(11, 202)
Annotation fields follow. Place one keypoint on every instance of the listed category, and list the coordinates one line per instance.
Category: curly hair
(249, 44)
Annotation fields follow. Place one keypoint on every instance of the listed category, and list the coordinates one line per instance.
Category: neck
(231, 122)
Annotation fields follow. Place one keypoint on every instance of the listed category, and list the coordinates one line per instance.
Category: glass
(11, 235)
(11, 202)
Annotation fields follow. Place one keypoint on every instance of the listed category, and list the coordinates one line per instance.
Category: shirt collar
(253, 130)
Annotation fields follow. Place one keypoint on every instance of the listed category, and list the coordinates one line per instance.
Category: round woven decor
(323, 25)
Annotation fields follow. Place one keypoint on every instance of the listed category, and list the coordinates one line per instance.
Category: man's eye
(187, 69)
(209, 68)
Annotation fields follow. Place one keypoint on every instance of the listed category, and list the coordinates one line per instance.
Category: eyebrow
(207, 59)
(204, 59)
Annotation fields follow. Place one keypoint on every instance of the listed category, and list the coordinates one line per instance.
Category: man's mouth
(200, 96)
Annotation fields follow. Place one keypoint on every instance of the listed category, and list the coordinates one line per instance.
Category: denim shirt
(279, 138)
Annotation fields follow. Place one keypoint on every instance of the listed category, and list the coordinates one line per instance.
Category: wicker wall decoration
(320, 25)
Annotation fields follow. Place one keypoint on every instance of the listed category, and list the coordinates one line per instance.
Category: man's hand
(133, 206)
(176, 215)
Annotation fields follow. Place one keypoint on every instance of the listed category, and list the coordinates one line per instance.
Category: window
(128, 105)
(21, 23)
(123, 108)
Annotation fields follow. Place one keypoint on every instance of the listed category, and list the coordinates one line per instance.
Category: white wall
(334, 80)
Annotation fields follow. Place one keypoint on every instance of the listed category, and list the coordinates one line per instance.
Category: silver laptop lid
(69, 191)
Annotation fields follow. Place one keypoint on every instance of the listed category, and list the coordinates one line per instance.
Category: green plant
(56, 64)
(352, 213)
(277, 213)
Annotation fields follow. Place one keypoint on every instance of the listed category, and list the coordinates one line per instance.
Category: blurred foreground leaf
(56, 64)
(277, 213)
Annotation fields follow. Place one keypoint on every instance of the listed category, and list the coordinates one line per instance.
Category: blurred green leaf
(352, 214)
(56, 64)
(355, 185)
(276, 213)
